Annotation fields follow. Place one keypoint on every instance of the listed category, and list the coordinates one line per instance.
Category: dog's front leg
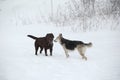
(51, 51)
(41, 50)
(66, 53)
(46, 52)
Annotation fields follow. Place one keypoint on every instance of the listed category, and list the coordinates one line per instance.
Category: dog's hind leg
(41, 49)
(36, 49)
(82, 52)
(83, 56)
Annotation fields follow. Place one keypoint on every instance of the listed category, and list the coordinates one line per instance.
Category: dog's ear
(52, 35)
(60, 34)
(47, 35)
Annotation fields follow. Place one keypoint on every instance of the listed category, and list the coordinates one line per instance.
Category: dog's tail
(89, 44)
(33, 37)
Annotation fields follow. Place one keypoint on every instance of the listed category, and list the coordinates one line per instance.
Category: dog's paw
(67, 56)
(84, 58)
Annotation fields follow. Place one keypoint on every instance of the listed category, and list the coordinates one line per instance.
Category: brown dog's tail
(33, 37)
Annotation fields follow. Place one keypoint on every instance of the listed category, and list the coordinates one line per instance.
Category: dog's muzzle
(55, 41)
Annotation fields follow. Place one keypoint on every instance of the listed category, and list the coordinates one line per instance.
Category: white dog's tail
(88, 44)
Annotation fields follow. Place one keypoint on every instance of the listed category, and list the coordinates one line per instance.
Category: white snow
(18, 62)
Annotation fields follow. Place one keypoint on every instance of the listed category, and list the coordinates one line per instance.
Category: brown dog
(44, 43)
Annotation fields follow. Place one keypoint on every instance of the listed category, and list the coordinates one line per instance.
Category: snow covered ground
(18, 62)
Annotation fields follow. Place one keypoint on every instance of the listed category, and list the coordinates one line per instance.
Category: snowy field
(18, 62)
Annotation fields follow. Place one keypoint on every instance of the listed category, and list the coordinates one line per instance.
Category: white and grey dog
(69, 45)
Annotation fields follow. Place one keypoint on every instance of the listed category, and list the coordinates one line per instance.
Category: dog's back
(71, 45)
(42, 42)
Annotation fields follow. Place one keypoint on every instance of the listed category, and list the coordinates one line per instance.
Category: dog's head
(49, 38)
(58, 38)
